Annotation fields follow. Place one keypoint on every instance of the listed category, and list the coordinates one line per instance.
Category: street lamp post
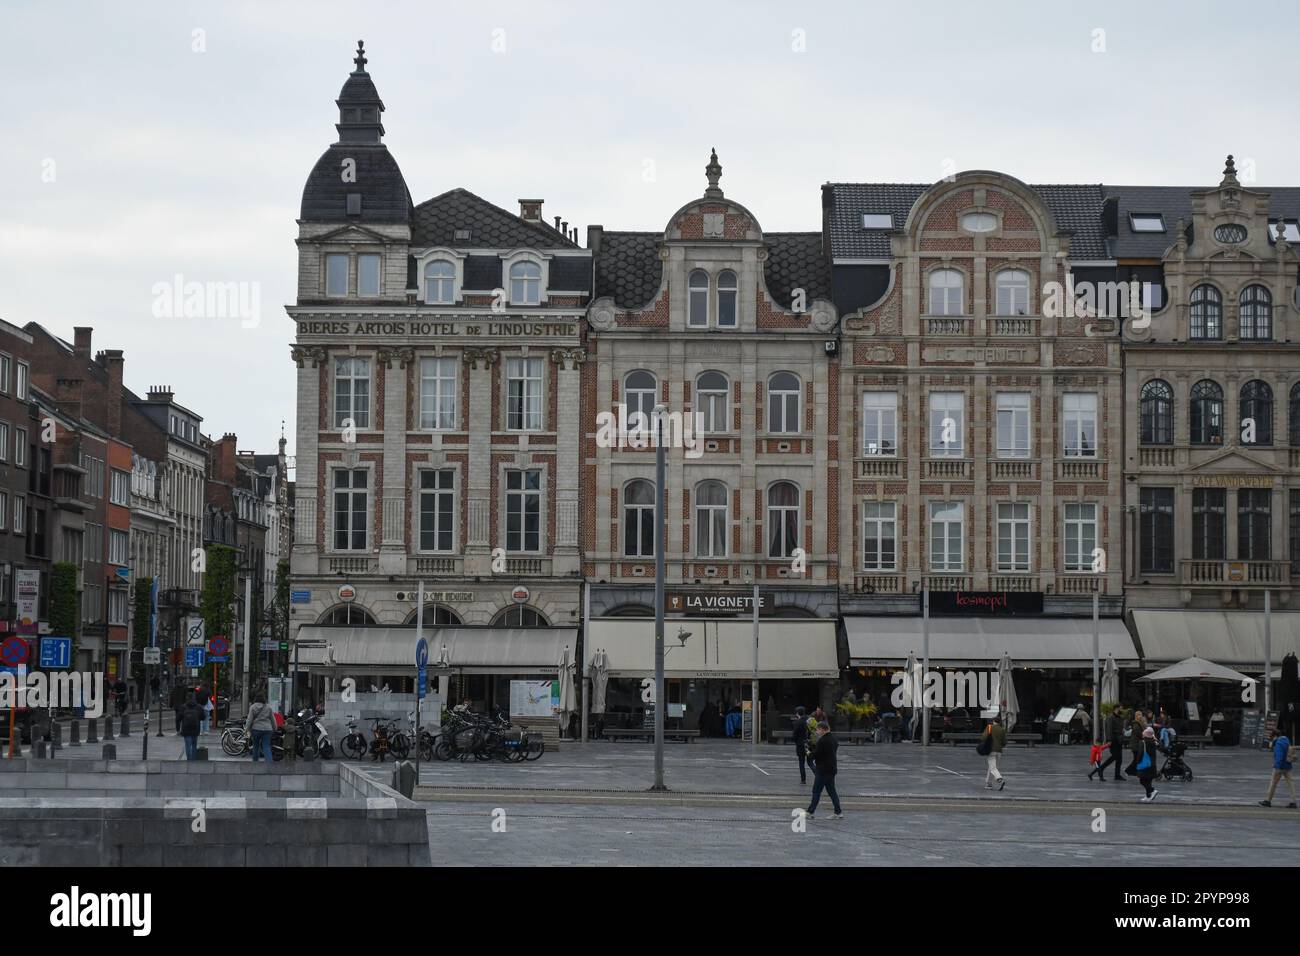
(660, 472)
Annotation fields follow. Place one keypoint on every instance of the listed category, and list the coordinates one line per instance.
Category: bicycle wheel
(399, 746)
(535, 749)
(326, 751)
(354, 746)
(442, 750)
(232, 745)
(426, 746)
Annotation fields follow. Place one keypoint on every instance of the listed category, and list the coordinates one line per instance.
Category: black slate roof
(628, 267)
(1174, 203)
(384, 197)
(1075, 207)
(795, 261)
(436, 221)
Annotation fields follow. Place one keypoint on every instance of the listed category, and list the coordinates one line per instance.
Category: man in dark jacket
(801, 742)
(825, 766)
(191, 718)
(1115, 733)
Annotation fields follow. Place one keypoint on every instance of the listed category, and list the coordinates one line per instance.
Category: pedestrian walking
(825, 767)
(261, 724)
(1136, 727)
(207, 713)
(1115, 731)
(801, 743)
(1146, 765)
(991, 743)
(1283, 760)
(191, 719)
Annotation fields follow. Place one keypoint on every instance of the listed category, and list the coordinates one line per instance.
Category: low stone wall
(140, 813)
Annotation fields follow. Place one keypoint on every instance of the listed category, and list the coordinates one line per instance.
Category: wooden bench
(951, 739)
(781, 736)
(1030, 740)
(1193, 740)
(648, 735)
(857, 736)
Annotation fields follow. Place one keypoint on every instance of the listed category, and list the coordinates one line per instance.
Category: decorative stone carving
(301, 353)
(823, 316)
(601, 315)
(384, 357)
(485, 358)
(405, 356)
(1077, 355)
(714, 223)
(568, 358)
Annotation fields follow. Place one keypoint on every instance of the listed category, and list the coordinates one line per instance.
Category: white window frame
(438, 393)
(437, 284)
(979, 222)
(521, 497)
(1014, 526)
(519, 258)
(1078, 516)
(20, 514)
(117, 607)
(1012, 423)
(880, 420)
(330, 258)
(714, 404)
(1015, 284)
(4, 441)
(781, 398)
(941, 531)
(4, 510)
(879, 517)
(640, 401)
(6, 363)
(119, 481)
(437, 494)
(776, 519)
(635, 516)
(529, 372)
(352, 493)
(362, 258)
(22, 378)
(697, 299)
(942, 405)
(119, 547)
(731, 290)
(878, 220)
(1152, 222)
(944, 298)
(1076, 412)
(358, 412)
(20, 447)
(713, 521)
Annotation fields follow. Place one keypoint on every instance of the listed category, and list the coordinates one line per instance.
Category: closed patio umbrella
(568, 695)
(1110, 681)
(599, 680)
(1008, 704)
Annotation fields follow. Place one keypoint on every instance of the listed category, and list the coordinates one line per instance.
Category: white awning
(473, 650)
(723, 649)
(1234, 638)
(975, 642)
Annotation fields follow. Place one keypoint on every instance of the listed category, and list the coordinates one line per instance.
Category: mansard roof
(1174, 203)
(436, 221)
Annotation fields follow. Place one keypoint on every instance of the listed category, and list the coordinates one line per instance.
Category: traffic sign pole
(421, 660)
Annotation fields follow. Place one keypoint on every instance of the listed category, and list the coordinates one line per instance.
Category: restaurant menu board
(534, 698)
(1255, 729)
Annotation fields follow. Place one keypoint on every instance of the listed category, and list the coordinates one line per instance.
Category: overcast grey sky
(168, 161)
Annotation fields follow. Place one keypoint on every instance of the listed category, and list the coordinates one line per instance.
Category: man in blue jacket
(1281, 768)
(825, 766)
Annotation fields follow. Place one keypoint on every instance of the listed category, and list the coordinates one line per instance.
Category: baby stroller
(1174, 767)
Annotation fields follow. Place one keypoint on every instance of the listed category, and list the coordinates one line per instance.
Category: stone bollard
(290, 740)
(108, 728)
(404, 778)
(90, 731)
(17, 750)
(126, 725)
(40, 750)
(56, 739)
(74, 734)
(110, 751)
(200, 753)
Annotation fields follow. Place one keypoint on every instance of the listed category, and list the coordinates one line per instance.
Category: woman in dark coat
(1151, 754)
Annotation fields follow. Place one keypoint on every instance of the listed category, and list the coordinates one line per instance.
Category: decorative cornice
(486, 357)
(568, 358)
(301, 353)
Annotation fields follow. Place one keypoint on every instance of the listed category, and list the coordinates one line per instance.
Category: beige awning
(974, 642)
(1233, 638)
(471, 650)
(722, 649)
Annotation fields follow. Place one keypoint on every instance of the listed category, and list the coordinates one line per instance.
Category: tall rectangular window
(351, 508)
(1157, 530)
(1013, 425)
(351, 392)
(879, 536)
(1080, 536)
(524, 510)
(4, 373)
(947, 424)
(1254, 524)
(368, 275)
(947, 520)
(438, 393)
(336, 274)
(524, 394)
(880, 424)
(20, 514)
(20, 447)
(1209, 524)
(4, 441)
(117, 603)
(1295, 530)
(1013, 536)
(120, 490)
(4, 510)
(437, 509)
(1079, 424)
(118, 542)
(21, 382)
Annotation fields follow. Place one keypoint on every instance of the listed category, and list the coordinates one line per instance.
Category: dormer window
(727, 291)
(1291, 230)
(979, 222)
(525, 283)
(1146, 222)
(877, 220)
(440, 282)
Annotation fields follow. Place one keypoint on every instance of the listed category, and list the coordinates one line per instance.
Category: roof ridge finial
(714, 173)
(360, 58)
(1229, 173)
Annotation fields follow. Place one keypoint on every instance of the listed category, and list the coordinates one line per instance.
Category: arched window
(711, 519)
(727, 291)
(1207, 313)
(782, 519)
(1157, 413)
(525, 283)
(639, 519)
(439, 282)
(1012, 292)
(1256, 413)
(713, 401)
(1256, 313)
(436, 615)
(1207, 413)
(698, 299)
(639, 390)
(1293, 416)
(348, 614)
(520, 616)
(783, 403)
(946, 297)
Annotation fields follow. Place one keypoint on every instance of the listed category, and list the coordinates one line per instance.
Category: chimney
(828, 204)
(530, 210)
(557, 223)
(224, 458)
(81, 341)
(113, 362)
(67, 394)
(160, 393)
(594, 235)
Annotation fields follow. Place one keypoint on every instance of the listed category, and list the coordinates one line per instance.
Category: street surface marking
(760, 770)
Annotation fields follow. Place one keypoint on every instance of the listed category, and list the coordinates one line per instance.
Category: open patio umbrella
(599, 680)
(1008, 704)
(1110, 681)
(1197, 668)
(568, 696)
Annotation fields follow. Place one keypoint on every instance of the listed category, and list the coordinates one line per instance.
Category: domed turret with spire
(357, 179)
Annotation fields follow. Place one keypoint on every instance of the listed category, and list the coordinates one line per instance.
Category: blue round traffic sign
(421, 652)
(14, 651)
